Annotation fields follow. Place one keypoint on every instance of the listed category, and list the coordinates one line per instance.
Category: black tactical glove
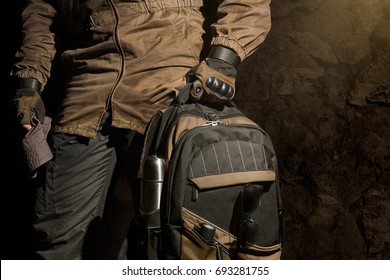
(27, 101)
(214, 78)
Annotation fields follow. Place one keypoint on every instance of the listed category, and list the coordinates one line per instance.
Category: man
(120, 62)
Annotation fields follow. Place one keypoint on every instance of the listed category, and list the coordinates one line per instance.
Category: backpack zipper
(214, 243)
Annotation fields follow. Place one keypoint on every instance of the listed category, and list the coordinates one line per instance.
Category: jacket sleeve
(242, 25)
(37, 50)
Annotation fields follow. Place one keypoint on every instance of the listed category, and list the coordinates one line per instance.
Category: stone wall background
(320, 86)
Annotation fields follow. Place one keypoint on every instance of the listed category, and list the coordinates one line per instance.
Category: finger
(27, 127)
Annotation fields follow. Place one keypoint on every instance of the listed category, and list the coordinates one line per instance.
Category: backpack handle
(184, 95)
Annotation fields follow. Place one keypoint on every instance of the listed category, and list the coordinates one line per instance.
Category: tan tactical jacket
(129, 56)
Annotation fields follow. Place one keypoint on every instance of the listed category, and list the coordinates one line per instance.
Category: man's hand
(27, 103)
(214, 78)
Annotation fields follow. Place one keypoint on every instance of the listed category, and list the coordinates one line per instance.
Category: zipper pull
(194, 193)
(213, 120)
(218, 250)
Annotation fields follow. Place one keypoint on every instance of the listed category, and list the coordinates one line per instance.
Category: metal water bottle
(153, 170)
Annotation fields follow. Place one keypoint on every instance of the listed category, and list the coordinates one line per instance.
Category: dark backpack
(210, 185)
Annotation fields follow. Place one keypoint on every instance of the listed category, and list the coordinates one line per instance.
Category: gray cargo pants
(82, 174)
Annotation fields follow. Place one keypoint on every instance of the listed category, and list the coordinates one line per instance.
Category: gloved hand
(213, 79)
(27, 103)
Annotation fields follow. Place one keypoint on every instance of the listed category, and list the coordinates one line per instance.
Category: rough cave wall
(320, 86)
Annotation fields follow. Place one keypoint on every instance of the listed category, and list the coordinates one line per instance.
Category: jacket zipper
(120, 51)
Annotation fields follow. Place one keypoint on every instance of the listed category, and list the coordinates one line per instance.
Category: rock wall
(320, 86)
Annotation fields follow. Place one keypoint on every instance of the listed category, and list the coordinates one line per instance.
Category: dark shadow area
(17, 190)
